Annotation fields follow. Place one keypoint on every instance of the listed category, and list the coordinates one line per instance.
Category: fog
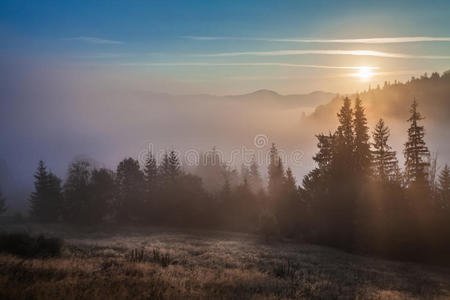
(52, 114)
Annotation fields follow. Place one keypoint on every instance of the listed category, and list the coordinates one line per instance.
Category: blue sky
(192, 46)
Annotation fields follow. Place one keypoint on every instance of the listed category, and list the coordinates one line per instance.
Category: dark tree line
(357, 198)
(3, 206)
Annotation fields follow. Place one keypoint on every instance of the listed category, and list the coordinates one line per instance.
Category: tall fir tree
(46, 200)
(3, 207)
(289, 181)
(444, 187)
(77, 192)
(361, 140)
(276, 174)
(325, 155)
(254, 178)
(416, 152)
(151, 174)
(385, 164)
(130, 184)
(344, 133)
(102, 191)
(170, 167)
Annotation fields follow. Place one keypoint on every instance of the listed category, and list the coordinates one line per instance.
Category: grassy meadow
(155, 263)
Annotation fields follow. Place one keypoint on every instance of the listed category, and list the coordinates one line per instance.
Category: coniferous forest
(357, 198)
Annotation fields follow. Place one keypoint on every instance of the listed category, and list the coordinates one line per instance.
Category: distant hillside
(268, 97)
(393, 99)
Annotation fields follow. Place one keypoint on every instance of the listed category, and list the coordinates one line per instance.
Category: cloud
(93, 40)
(326, 52)
(382, 40)
(258, 64)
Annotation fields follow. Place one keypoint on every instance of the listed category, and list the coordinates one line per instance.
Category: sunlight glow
(364, 73)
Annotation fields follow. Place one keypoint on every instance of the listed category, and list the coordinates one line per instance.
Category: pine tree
(289, 181)
(254, 178)
(416, 152)
(39, 196)
(130, 184)
(384, 160)
(344, 132)
(77, 192)
(46, 200)
(150, 173)
(102, 191)
(324, 157)
(276, 173)
(245, 172)
(170, 166)
(3, 207)
(361, 140)
(444, 187)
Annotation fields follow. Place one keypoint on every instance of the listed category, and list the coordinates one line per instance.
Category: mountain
(268, 97)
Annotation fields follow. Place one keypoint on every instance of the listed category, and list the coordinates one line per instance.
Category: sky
(227, 47)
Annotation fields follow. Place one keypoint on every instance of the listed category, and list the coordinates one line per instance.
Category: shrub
(25, 245)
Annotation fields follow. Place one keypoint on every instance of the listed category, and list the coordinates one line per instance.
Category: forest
(357, 198)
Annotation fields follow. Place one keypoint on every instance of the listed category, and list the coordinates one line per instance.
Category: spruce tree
(150, 173)
(245, 172)
(46, 200)
(130, 183)
(289, 181)
(361, 140)
(385, 164)
(102, 191)
(39, 196)
(254, 178)
(444, 187)
(416, 152)
(170, 166)
(3, 207)
(77, 192)
(344, 132)
(276, 173)
(324, 157)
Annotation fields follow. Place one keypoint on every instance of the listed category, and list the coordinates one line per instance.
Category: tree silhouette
(102, 191)
(254, 177)
(444, 187)
(276, 174)
(170, 166)
(77, 193)
(3, 207)
(385, 163)
(150, 173)
(46, 200)
(361, 140)
(130, 183)
(416, 152)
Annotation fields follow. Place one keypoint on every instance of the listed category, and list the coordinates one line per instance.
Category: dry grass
(99, 265)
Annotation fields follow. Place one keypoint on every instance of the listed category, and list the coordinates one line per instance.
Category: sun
(364, 73)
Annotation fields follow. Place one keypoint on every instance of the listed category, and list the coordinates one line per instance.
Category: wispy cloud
(257, 64)
(93, 40)
(325, 52)
(380, 40)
